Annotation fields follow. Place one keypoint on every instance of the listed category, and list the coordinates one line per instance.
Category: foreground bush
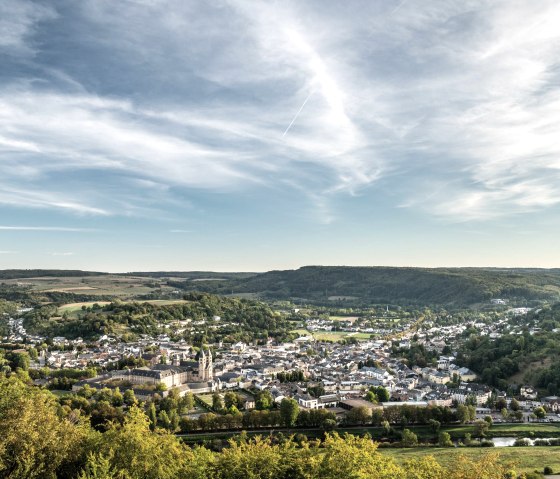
(40, 440)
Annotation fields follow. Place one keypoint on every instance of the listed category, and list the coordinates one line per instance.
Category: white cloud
(67, 253)
(18, 19)
(455, 104)
(47, 228)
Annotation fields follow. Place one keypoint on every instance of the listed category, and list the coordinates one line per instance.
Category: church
(185, 375)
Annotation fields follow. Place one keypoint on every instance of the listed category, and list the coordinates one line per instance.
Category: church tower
(201, 365)
(205, 367)
(209, 367)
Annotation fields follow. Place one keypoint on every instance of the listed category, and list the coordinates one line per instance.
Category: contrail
(295, 117)
(397, 7)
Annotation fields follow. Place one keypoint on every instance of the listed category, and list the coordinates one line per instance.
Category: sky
(255, 135)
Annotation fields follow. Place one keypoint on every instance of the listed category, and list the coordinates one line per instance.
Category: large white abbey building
(184, 374)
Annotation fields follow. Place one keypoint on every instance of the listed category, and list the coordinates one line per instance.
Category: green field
(125, 287)
(332, 335)
(526, 458)
(72, 308)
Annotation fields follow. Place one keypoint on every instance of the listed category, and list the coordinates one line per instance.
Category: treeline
(496, 360)
(381, 285)
(41, 273)
(25, 296)
(39, 440)
(240, 319)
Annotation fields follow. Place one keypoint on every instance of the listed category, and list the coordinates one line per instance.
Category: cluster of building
(340, 372)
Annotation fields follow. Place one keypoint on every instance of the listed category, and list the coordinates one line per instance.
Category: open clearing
(74, 307)
(350, 319)
(332, 335)
(526, 458)
(125, 287)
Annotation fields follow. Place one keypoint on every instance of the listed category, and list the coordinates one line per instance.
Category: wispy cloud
(18, 20)
(454, 105)
(67, 253)
(47, 228)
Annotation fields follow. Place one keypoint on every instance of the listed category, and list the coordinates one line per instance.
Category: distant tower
(201, 365)
(205, 367)
(209, 367)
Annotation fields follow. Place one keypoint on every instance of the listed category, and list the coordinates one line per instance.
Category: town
(355, 368)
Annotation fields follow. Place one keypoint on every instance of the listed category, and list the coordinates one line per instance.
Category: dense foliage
(534, 355)
(394, 285)
(232, 318)
(40, 440)
(40, 273)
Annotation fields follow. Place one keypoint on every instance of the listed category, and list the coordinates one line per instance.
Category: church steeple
(205, 367)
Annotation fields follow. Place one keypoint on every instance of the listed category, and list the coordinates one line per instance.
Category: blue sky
(247, 136)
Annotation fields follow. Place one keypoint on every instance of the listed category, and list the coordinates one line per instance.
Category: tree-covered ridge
(39, 439)
(238, 319)
(40, 273)
(459, 286)
(538, 347)
(363, 285)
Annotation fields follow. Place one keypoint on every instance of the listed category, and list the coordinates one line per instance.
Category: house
(528, 392)
(307, 401)
(552, 403)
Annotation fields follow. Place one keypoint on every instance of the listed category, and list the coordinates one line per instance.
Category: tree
(141, 453)
(381, 393)
(463, 413)
(129, 398)
(20, 360)
(34, 441)
(514, 405)
(481, 428)
(386, 427)
(501, 403)
(444, 440)
(232, 399)
(99, 467)
(358, 415)
(409, 439)
(289, 410)
(264, 400)
(118, 398)
(173, 420)
(434, 425)
(539, 412)
(163, 419)
(152, 415)
(353, 457)
(217, 403)
(371, 397)
(187, 402)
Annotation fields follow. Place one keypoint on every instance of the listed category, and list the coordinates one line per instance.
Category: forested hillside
(355, 285)
(38, 273)
(532, 357)
(459, 286)
(232, 318)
